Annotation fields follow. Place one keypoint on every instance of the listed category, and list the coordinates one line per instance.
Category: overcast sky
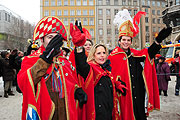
(27, 9)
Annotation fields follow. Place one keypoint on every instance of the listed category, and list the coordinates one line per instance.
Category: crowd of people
(88, 83)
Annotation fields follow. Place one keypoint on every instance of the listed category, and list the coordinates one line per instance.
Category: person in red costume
(47, 79)
(135, 69)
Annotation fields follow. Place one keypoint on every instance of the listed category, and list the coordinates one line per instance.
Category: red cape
(40, 100)
(120, 69)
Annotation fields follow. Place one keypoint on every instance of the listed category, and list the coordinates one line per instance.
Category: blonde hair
(93, 50)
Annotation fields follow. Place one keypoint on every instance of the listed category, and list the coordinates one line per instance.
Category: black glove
(164, 33)
(52, 49)
(81, 96)
(79, 26)
(121, 90)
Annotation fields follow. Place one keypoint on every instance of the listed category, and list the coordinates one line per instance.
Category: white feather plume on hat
(121, 17)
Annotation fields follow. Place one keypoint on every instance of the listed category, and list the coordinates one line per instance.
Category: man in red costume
(135, 69)
(47, 79)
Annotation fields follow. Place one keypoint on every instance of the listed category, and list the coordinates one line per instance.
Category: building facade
(70, 10)
(171, 17)
(14, 31)
(98, 15)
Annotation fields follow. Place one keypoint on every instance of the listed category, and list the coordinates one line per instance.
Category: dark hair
(90, 41)
(121, 38)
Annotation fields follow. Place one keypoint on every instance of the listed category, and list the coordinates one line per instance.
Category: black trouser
(177, 85)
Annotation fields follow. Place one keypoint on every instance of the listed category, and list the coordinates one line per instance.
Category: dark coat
(7, 70)
(163, 75)
(103, 91)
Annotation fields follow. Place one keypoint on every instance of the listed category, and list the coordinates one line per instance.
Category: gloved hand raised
(121, 87)
(81, 96)
(78, 37)
(52, 49)
(164, 33)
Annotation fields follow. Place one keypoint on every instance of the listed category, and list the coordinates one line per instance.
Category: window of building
(129, 2)
(116, 31)
(108, 31)
(123, 2)
(9, 18)
(146, 10)
(78, 12)
(78, 19)
(154, 29)
(59, 2)
(100, 2)
(177, 2)
(158, 21)
(108, 11)
(158, 12)
(147, 28)
(65, 21)
(91, 12)
(134, 2)
(143, 2)
(72, 12)
(158, 4)
(100, 21)
(0, 15)
(100, 32)
(65, 12)
(46, 13)
(53, 3)
(135, 11)
(153, 12)
(85, 22)
(72, 2)
(59, 12)
(148, 3)
(91, 31)
(107, 2)
(84, 2)
(91, 2)
(154, 20)
(153, 3)
(147, 37)
(46, 3)
(91, 21)
(84, 12)
(52, 12)
(130, 11)
(163, 4)
(65, 2)
(115, 11)
(159, 29)
(100, 12)
(116, 2)
(72, 20)
(146, 19)
(78, 2)
(108, 21)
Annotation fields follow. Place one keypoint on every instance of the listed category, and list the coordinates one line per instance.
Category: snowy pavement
(10, 108)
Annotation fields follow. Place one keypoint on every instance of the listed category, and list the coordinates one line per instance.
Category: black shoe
(11, 93)
(0, 95)
(176, 94)
(6, 94)
(165, 93)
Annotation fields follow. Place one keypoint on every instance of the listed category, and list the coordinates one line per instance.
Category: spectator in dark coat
(8, 75)
(163, 75)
